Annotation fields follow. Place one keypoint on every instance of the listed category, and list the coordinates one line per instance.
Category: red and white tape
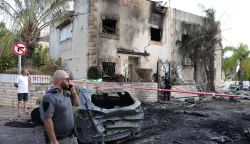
(156, 89)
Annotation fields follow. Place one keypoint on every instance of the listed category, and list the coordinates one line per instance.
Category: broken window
(109, 26)
(109, 68)
(185, 38)
(156, 34)
(66, 32)
(112, 100)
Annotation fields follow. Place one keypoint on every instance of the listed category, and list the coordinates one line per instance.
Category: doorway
(134, 62)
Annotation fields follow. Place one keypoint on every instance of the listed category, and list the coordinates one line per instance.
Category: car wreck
(107, 114)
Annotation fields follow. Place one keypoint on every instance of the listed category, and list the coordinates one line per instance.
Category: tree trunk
(27, 58)
(210, 74)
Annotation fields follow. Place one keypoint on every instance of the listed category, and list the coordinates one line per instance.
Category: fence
(39, 79)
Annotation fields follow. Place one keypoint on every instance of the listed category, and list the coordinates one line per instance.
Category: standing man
(167, 86)
(56, 110)
(22, 84)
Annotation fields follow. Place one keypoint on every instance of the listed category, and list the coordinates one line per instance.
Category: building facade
(119, 36)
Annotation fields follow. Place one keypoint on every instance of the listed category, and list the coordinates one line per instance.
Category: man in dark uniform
(167, 86)
(56, 110)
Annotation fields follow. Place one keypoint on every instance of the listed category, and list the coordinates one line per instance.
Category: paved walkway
(15, 135)
(11, 114)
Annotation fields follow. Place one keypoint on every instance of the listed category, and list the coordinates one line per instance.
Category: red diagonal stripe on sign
(20, 48)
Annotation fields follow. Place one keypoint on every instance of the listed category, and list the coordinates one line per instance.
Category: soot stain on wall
(156, 17)
(132, 30)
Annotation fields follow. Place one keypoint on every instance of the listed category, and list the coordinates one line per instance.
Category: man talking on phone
(56, 110)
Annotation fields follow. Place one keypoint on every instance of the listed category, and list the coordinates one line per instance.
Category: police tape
(157, 89)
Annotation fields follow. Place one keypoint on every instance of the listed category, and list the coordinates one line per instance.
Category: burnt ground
(205, 122)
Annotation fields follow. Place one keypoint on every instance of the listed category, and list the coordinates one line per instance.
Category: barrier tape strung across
(161, 90)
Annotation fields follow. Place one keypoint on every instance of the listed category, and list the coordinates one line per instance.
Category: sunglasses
(65, 79)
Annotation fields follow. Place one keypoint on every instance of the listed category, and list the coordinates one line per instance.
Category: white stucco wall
(73, 51)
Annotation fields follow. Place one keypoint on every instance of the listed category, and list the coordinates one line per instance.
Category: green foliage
(30, 17)
(145, 74)
(40, 56)
(8, 61)
(7, 39)
(51, 66)
(246, 68)
(15, 71)
(43, 62)
(240, 56)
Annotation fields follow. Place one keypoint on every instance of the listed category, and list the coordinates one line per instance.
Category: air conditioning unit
(187, 61)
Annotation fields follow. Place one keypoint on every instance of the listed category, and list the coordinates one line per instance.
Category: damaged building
(120, 36)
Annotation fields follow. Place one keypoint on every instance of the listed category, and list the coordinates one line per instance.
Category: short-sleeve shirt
(58, 107)
(23, 84)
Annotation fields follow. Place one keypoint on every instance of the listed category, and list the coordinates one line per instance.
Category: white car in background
(246, 85)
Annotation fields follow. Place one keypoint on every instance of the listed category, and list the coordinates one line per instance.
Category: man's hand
(72, 89)
(56, 142)
(74, 95)
(16, 85)
(29, 78)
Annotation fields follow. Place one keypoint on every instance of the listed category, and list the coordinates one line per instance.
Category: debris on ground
(205, 122)
(222, 139)
(28, 124)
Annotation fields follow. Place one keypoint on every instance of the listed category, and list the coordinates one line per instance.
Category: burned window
(185, 38)
(156, 34)
(109, 26)
(109, 68)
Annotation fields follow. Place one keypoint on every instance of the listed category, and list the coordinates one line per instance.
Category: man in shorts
(22, 84)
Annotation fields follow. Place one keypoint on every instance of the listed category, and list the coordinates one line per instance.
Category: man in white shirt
(22, 84)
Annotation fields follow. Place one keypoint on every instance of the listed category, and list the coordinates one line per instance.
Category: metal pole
(19, 64)
(19, 57)
(158, 80)
(169, 75)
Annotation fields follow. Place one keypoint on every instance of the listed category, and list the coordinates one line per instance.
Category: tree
(246, 68)
(40, 56)
(200, 43)
(7, 58)
(7, 39)
(30, 17)
(239, 56)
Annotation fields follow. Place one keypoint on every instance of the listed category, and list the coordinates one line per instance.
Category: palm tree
(240, 54)
(30, 17)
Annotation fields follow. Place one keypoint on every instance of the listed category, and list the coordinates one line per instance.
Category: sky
(233, 15)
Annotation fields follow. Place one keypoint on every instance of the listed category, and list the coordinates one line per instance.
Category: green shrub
(8, 61)
(145, 74)
(15, 71)
(40, 56)
(51, 66)
(119, 78)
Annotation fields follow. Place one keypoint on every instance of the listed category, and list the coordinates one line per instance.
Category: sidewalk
(7, 113)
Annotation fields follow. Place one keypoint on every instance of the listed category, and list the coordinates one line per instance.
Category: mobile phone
(70, 86)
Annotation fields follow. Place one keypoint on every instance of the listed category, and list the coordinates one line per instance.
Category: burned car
(107, 114)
